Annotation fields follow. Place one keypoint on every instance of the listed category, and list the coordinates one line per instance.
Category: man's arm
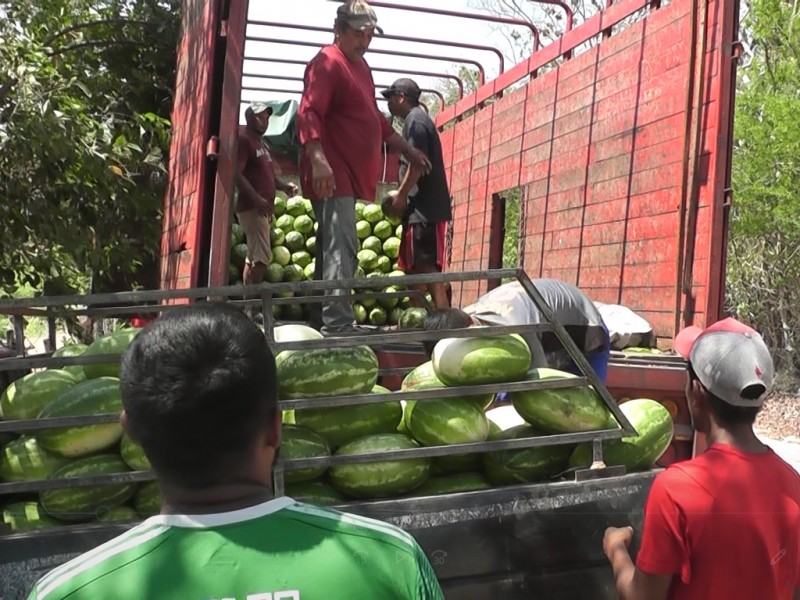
(631, 582)
(314, 105)
(415, 157)
(287, 187)
(418, 139)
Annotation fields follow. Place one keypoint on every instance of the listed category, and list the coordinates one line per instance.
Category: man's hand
(616, 538)
(419, 159)
(395, 204)
(264, 207)
(322, 177)
(290, 189)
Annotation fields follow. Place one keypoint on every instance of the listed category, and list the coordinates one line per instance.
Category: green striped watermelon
(133, 454)
(148, 499)
(506, 467)
(655, 427)
(24, 460)
(383, 478)
(424, 378)
(299, 442)
(69, 351)
(321, 372)
(476, 361)
(112, 343)
(452, 484)
(446, 421)
(26, 397)
(342, 424)
(560, 410)
(118, 514)
(314, 492)
(92, 397)
(86, 503)
(27, 516)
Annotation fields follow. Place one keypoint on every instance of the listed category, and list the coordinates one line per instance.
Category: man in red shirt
(257, 183)
(342, 132)
(726, 524)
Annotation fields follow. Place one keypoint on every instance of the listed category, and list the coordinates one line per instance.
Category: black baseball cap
(404, 86)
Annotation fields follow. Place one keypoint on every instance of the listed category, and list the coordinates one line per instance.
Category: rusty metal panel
(191, 118)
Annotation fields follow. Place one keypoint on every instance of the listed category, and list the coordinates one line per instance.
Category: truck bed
(531, 541)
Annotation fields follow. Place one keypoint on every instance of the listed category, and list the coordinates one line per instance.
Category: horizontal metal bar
(240, 290)
(23, 487)
(23, 425)
(409, 335)
(32, 362)
(560, 439)
(431, 394)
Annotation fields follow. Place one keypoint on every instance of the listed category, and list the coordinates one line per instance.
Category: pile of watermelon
(385, 426)
(400, 424)
(293, 237)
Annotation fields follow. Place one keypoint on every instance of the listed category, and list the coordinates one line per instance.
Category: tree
(85, 96)
(764, 249)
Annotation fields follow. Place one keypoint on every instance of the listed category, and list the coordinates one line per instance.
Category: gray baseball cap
(359, 15)
(730, 359)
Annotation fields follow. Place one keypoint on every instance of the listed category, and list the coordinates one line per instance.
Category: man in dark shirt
(257, 183)
(423, 200)
(342, 131)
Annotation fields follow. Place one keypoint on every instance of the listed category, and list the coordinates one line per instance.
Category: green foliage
(764, 249)
(85, 95)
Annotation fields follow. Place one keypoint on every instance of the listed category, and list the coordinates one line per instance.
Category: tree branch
(79, 26)
(100, 43)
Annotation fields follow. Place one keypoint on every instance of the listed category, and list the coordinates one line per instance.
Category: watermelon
(92, 397)
(133, 455)
(446, 421)
(476, 361)
(342, 424)
(148, 499)
(303, 224)
(506, 467)
(113, 343)
(276, 237)
(424, 378)
(367, 259)
(391, 247)
(452, 484)
(383, 230)
(377, 316)
(314, 492)
(294, 241)
(84, 503)
(27, 516)
(285, 222)
(652, 422)
(372, 213)
(372, 243)
(322, 372)
(24, 460)
(299, 442)
(237, 234)
(77, 349)
(383, 478)
(363, 230)
(280, 205)
(560, 410)
(26, 397)
(118, 514)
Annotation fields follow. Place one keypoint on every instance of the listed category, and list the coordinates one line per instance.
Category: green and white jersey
(279, 550)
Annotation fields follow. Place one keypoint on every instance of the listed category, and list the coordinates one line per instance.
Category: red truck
(618, 136)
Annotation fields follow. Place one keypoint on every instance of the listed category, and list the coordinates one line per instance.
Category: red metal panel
(191, 117)
(228, 140)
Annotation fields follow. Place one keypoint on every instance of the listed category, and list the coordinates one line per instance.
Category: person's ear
(126, 426)
(274, 429)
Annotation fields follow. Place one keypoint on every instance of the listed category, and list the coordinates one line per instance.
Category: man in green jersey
(199, 394)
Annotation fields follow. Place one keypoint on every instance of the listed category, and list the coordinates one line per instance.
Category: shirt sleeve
(243, 153)
(316, 100)
(417, 136)
(664, 549)
(428, 587)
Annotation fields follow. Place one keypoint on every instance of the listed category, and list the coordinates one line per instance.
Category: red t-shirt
(255, 163)
(726, 525)
(338, 108)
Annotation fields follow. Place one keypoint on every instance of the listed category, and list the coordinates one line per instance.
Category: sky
(321, 13)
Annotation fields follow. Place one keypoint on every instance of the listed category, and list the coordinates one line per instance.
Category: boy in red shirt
(727, 523)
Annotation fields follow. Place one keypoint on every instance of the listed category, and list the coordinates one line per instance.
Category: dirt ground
(780, 418)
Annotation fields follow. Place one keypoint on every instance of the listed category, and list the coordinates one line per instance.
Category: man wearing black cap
(342, 131)
(423, 200)
(257, 183)
(725, 524)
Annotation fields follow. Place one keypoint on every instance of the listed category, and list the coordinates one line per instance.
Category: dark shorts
(422, 246)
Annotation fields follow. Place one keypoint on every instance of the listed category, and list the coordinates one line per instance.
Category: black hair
(727, 414)
(198, 386)
(444, 318)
